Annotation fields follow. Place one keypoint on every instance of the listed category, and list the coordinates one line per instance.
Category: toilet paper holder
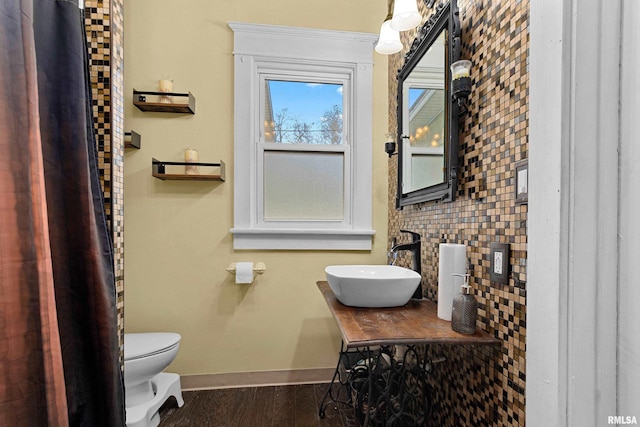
(258, 267)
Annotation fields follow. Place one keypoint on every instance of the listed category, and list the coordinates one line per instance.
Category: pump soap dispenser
(465, 309)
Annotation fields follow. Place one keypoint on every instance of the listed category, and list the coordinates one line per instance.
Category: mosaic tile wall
(479, 386)
(117, 153)
(104, 28)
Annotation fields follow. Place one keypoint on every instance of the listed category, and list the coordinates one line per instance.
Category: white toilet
(146, 355)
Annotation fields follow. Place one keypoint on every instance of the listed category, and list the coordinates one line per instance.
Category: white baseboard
(256, 379)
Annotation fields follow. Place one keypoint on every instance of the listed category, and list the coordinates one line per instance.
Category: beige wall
(177, 233)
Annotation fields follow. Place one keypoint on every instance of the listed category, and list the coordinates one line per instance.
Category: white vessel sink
(372, 285)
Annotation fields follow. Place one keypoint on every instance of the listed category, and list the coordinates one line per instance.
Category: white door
(629, 235)
(583, 293)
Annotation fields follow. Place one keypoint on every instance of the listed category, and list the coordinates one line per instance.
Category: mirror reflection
(427, 116)
(424, 119)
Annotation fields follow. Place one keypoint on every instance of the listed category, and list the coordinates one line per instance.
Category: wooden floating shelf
(159, 171)
(132, 140)
(177, 177)
(187, 102)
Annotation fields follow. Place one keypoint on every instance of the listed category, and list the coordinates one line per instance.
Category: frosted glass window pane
(303, 112)
(425, 170)
(303, 186)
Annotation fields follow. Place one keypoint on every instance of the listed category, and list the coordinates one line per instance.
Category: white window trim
(260, 48)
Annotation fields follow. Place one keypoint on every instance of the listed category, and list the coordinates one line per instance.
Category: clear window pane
(303, 112)
(303, 186)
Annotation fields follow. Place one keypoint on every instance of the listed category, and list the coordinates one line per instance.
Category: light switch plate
(499, 272)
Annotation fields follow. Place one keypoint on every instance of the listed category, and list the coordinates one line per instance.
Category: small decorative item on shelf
(165, 85)
(190, 156)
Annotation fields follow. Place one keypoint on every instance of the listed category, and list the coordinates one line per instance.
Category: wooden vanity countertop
(416, 322)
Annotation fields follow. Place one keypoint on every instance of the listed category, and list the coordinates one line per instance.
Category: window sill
(343, 240)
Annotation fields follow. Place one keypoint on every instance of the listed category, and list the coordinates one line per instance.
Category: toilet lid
(146, 344)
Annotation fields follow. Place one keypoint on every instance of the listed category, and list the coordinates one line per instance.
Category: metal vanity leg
(343, 384)
(395, 392)
(369, 386)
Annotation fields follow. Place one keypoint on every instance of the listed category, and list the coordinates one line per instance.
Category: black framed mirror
(427, 115)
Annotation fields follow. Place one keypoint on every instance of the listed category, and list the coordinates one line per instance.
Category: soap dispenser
(465, 309)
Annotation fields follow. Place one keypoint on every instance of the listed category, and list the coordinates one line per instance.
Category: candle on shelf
(165, 85)
(190, 156)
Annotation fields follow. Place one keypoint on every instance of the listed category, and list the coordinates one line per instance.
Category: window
(290, 118)
(302, 138)
(299, 118)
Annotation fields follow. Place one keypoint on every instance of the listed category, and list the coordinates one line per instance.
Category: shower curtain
(59, 353)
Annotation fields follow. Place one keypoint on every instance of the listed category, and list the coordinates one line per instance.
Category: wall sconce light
(461, 83)
(389, 40)
(402, 15)
(405, 15)
(390, 145)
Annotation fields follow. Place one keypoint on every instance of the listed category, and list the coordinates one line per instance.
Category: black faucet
(414, 247)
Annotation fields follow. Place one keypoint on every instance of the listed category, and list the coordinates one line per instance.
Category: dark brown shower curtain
(59, 354)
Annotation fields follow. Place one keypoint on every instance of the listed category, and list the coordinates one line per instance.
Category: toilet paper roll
(244, 272)
(453, 259)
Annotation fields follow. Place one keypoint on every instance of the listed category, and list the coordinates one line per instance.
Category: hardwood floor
(278, 406)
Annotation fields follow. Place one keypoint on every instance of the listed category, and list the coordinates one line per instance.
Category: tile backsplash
(480, 386)
(104, 29)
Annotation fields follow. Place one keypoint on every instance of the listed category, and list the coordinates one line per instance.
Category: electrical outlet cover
(499, 272)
